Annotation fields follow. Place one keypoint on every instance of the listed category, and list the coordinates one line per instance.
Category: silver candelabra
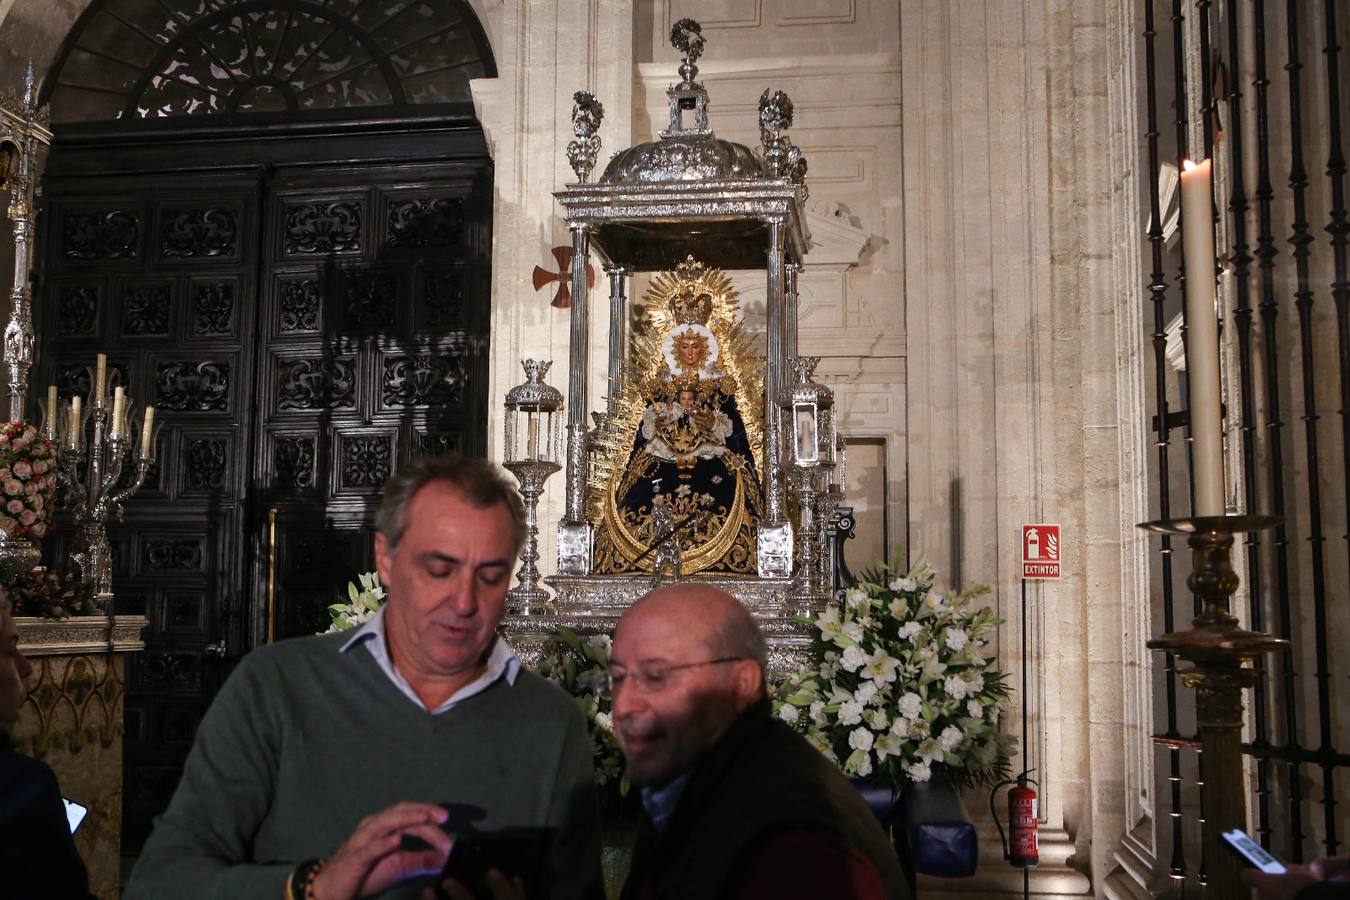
(93, 442)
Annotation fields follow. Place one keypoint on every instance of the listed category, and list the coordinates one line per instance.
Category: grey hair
(477, 480)
(741, 637)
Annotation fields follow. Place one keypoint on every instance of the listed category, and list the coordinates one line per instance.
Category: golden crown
(691, 303)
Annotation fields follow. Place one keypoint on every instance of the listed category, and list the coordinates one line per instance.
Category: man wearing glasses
(738, 805)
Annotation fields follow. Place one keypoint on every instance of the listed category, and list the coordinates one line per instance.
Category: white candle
(100, 378)
(49, 420)
(532, 451)
(147, 428)
(119, 405)
(76, 424)
(1202, 339)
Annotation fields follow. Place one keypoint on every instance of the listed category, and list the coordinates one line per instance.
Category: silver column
(774, 535)
(618, 326)
(790, 318)
(574, 532)
(579, 364)
(777, 359)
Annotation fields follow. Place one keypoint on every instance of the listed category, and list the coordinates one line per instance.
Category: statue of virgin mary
(691, 431)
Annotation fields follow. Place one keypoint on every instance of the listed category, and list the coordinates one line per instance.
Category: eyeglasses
(653, 677)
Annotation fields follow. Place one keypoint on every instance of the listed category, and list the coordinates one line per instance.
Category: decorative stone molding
(81, 634)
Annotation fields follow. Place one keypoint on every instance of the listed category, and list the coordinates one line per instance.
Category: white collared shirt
(502, 662)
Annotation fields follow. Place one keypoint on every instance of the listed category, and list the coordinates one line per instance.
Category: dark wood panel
(301, 332)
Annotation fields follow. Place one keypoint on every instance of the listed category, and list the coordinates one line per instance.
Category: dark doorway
(282, 241)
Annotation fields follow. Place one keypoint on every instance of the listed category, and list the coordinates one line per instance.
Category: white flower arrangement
(898, 683)
(364, 601)
(580, 666)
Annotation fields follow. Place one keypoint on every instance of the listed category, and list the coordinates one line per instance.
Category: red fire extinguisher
(1020, 847)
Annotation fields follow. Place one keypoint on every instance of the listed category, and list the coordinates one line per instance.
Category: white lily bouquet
(363, 602)
(580, 666)
(898, 683)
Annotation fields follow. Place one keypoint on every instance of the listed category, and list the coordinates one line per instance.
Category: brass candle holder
(1219, 651)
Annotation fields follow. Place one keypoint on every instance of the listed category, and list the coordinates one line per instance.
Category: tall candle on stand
(49, 420)
(76, 428)
(100, 378)
(147, 429)
(119, 404)
(1202, 338)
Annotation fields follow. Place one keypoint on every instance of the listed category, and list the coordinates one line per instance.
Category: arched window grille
(128, 59)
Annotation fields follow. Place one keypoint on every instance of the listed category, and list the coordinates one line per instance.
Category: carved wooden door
(372, 349)
(161, 273)
(301, 331)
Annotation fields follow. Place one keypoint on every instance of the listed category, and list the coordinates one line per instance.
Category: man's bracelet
(300, 884)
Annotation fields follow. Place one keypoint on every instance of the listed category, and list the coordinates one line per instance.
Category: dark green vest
(759, 778)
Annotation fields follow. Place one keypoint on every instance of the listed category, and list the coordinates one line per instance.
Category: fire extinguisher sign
(1040, 551)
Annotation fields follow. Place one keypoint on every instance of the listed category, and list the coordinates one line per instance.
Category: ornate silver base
(774, 546)
(527, 602)
(574, 548)
(593, 604)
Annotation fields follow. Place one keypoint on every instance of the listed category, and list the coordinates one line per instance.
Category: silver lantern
(531, 453)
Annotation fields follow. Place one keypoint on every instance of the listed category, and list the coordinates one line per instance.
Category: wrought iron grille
(1257, 85)
(146, 59)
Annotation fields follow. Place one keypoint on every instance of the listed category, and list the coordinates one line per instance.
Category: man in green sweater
(332, 767)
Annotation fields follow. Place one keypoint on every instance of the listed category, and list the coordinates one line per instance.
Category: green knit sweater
(304, 741)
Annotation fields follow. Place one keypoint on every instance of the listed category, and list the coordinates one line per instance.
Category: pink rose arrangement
(27, 481)
(50, 595)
